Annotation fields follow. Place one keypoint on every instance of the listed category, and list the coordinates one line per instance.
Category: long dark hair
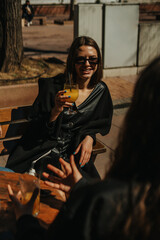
(137, 155)
(70, 67)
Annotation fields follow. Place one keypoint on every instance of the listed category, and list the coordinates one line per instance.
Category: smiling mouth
(86, 70)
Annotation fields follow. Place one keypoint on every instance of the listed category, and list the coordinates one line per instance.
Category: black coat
(24, 10)
(94, 116)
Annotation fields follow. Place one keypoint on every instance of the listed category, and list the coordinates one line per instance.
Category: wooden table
(49, 205)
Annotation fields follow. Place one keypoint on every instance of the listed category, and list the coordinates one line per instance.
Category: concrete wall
(120, 35)
(149, 42)
(126, 44)
(115, 29)
(88, 21)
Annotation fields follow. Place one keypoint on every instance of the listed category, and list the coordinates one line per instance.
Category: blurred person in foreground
(125, 205)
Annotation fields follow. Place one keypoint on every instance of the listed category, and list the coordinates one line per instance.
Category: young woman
(53, 133)
(126, 204)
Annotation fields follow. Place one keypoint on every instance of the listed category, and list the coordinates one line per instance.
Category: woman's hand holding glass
(73, 91)
(68, 176)
(61, 101)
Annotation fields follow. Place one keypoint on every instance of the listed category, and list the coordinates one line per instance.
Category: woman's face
(86, 62)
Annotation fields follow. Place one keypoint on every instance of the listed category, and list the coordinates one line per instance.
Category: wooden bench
(13, 122)
(42, 19)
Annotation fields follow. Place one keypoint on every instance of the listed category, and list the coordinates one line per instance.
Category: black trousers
(28, 17)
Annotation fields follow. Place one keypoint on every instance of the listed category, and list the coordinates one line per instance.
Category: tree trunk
(11, 52)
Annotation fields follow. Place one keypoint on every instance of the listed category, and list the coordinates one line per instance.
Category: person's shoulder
(103, 189)
(103, 85)
(107, 186)
(113, 190)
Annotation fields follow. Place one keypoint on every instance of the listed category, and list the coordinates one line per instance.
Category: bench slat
(98, 148)
(5, 114)
(13, 130)
(13, 113)
(6, 146)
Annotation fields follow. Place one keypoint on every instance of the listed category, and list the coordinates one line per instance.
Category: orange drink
(27, 186)
(27, 196)
(73, 93)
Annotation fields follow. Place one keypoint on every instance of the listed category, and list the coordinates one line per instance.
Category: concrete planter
(115, 29)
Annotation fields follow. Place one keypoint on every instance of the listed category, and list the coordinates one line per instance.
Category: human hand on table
(68, 176)
(19, 208)
(86, 147)
(60, 103)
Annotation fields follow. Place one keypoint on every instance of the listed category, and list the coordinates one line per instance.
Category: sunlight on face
(84, 68)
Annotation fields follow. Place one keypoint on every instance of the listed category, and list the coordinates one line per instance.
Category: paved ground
(53, 41)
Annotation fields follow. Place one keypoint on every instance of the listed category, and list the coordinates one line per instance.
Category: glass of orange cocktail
(72, 91)
(27, 187)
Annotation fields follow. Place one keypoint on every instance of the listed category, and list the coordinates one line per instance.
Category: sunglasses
(83, 60)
